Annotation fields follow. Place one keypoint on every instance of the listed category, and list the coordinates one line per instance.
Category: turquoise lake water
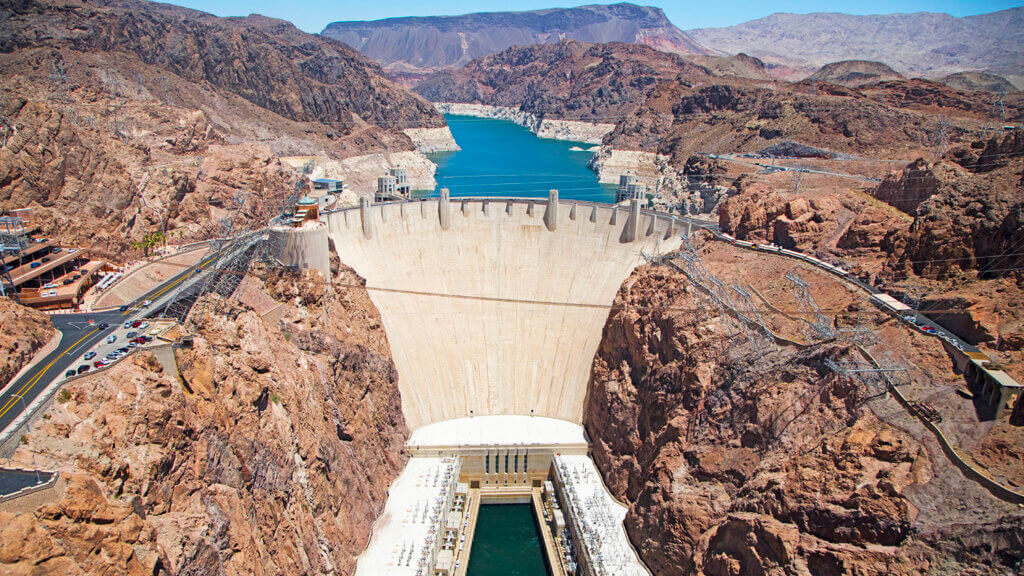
(506, 543)
(501, 158)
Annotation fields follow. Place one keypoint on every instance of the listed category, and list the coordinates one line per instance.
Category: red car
(137, 323)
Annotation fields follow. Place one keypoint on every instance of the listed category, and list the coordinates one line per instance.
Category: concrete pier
(303, 247)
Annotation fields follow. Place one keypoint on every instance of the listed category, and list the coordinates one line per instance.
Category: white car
(146, 303)
(143, 326)
(111, 339)
(127, 324)
(49, 285)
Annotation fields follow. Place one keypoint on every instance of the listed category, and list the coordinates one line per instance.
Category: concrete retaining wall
(502, 312)
(31, 498)
(304, 247)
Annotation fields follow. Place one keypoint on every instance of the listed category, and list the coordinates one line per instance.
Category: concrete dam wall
(495, 306)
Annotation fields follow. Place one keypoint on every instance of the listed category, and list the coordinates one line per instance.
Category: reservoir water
(501, 158)
(506, 543)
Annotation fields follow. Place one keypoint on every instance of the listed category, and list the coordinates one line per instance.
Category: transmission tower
(819, 323)
(11, 233)
(877, 376)
(794, 185)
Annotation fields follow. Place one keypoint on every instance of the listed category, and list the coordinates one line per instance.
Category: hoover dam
(494, 309)
(491, 306)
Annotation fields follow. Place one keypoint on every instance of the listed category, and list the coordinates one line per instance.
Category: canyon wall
(735, 460)
(272, 454)
(23, 332)
(173, 113)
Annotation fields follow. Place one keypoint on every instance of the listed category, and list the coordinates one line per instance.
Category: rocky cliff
(23, 331)
(686, 116)
(271, 454)
(735, 461)
(121, 118)
(424, 44)
(570, 80)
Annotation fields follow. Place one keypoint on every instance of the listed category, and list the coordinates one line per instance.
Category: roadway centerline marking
(28, 385)
(166, 288)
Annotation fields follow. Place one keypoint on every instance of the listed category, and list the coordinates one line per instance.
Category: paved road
(78, 336)
(733, 158)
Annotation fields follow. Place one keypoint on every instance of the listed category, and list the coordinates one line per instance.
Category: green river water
(501, 158)
(506, 543)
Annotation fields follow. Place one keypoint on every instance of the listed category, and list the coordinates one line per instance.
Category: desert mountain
(120, 117)
(569, 80)
(416, 45)
(853, 73)
(975, 81)
(925, 44)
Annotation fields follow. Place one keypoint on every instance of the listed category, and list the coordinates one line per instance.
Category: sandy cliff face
(271, 456)
(125, 117)
(23, 331)
(740, 462)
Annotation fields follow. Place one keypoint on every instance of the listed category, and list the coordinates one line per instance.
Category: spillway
(495, 306)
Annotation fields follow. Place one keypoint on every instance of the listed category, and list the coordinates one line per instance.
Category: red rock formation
(271, 456)
(23, 331)
(132, 122)
(735, 462)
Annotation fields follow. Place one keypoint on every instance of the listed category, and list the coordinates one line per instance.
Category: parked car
(55, 249)
(70, 373)
(144, 325)
(123, 350)
(99, 363)
(67, 281)
(89, 355)
(35, 265)
(83, 368)
(49, 285)
(45, 258)
(111, 339)
(127, 324)
(131, 334)
(137, 323)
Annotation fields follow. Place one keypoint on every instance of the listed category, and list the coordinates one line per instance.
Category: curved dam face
(495, 306)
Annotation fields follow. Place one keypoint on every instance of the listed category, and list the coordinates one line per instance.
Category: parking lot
(119, 344)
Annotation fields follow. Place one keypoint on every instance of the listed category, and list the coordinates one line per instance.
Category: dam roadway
(495, 306)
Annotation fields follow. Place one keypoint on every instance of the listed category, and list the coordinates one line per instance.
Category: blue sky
(313, 15)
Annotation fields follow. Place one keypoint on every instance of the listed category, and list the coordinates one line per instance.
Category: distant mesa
(978, 82)
(425, 44)
(740, 65)
(854, 73)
